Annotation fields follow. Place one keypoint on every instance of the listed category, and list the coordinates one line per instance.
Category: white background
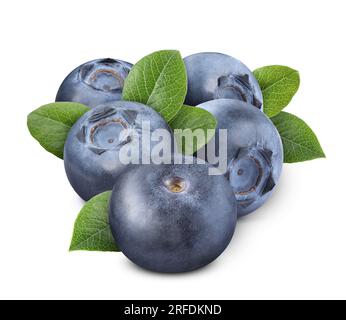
(293, 247)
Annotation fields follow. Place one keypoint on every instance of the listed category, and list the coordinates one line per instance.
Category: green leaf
(193, 120)
(299, 141)
(92, 231)
(158, 80)
(50, 124)
(279, 84)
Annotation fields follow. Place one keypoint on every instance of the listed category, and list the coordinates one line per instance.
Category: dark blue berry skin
(172, 218)
(91, 153)
(254, 151)
(218, 76)
(96, 82)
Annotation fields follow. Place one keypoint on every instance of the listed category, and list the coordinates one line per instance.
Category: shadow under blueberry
(212, 266)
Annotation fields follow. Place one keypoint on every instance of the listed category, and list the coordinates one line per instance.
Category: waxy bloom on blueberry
(96, 82)
(216, 76)
(172, 218)
(254, 151)
(92, 150)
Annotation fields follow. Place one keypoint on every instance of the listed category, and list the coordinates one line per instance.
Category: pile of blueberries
(172, 217)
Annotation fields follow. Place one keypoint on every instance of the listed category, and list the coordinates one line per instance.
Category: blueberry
(254, 151)
(92, 150)
(216, 76)
(96, 82)
(172, 218)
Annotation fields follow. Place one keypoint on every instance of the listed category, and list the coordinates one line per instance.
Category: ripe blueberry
(172, 218)
(96, 82)
(254, 151)
(216, 76)
(92, 150)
